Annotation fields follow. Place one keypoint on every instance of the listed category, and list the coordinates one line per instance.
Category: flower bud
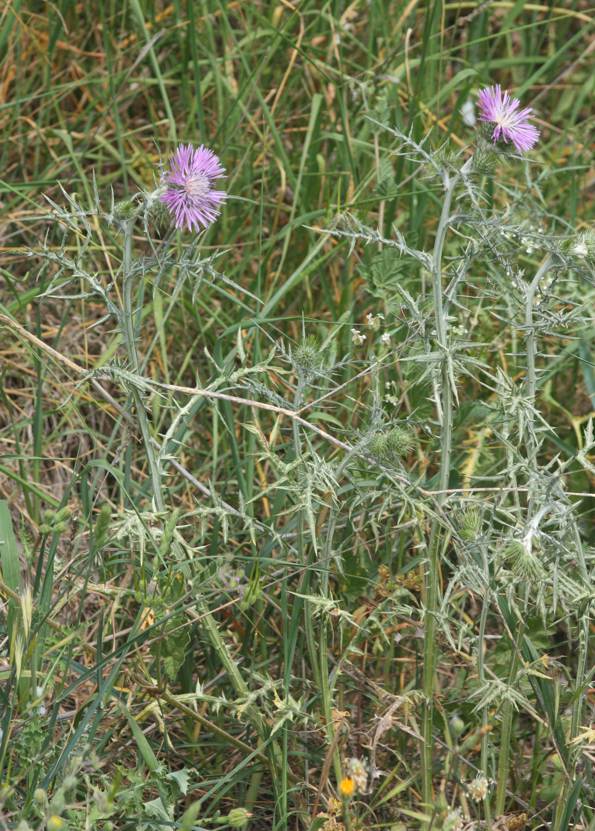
(389, 447)
(125, 209)
(238, 817)
(470, 524)
(160, 216)
(523, 562)
(63, 514)
(457, 726)
(307, 357)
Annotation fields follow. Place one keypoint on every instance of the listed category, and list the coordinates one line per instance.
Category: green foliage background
(115, 706)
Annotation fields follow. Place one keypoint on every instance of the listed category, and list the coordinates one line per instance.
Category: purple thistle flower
(512, 124)
(190, 197)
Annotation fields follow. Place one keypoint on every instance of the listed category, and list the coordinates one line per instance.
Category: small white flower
(357, 770)
(580, 249)
(385, 339)
(454, 821)
(478, 789)
(374, 320)
(357, 337)
(468, 113)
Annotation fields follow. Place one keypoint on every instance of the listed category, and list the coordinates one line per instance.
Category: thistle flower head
(511, 123)
(190, 196)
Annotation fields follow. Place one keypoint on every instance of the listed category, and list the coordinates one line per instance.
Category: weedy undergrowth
(373, 604)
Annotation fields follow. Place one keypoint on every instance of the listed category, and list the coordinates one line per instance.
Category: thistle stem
(532, 350)
(506, 731)
(481, 675)
(324, 672)
(130, 343)
(445, 403)
(433, 568)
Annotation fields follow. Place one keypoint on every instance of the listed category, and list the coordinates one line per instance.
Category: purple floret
(512, 124)
(190, 196)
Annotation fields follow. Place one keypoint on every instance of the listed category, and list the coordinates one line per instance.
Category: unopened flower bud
(307, 357)
(470, 524)
(125, 209)
(238, 817)
(389, 447)
(457, 726)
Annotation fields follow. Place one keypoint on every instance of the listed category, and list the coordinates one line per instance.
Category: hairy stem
(481, 674)
(506, 730)
(532, 350)
(433, 568)
(130, 343)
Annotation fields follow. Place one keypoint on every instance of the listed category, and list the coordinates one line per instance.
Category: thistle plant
(520, 576)
(354, 551)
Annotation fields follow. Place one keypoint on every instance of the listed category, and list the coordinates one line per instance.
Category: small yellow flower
(147, 618)
(347, 786)
(56, 823)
